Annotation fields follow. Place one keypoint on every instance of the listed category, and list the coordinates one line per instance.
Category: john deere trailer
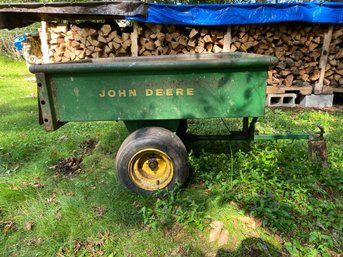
(154, 97)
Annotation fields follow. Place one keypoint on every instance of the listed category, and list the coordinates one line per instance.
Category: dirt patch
(88, 145)
(68, 166)
(99, 211)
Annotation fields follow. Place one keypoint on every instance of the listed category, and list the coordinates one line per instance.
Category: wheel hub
(151, 169)
(152, 163)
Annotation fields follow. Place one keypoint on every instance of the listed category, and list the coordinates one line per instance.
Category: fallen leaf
(223, 237)
(70, 194)
(136, 205)
(100, 211)
(9, 226)
(34, 242)
(63, 138)
(77, 246)
(104, 235)
(58, 215)
(93, 187)
(29, 225)
(99, 243)
(52, 198)
(49, 200)
(36, 185)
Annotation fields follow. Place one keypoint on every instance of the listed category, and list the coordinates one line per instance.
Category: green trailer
(154, 97)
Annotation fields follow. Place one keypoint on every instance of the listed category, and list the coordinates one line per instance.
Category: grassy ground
(271, 199)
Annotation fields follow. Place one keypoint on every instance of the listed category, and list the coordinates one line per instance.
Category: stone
(318, 101)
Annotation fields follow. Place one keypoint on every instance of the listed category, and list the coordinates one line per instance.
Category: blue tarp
(234, 14)
(17, 42)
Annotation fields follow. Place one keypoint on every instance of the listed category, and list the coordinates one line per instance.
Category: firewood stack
(82, 43)
(334, 66)
(298, 49)
(170, 40)
(32, 50)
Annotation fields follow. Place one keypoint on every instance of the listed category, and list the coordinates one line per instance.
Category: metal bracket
(46, 109)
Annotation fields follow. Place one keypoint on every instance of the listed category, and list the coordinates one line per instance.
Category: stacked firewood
(334, 66)
(72, 43)
(170, 40)
(298, 49)
(32, 50)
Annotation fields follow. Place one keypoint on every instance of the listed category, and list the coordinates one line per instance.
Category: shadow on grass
(251, 247)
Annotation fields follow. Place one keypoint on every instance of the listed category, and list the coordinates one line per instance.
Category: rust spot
(53, 88)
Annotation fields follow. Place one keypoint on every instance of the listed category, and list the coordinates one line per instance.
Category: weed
(174, 206)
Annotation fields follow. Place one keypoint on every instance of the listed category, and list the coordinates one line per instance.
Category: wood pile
(170, 40)
(32, 50)
(72, 43)
(334, 66)
(297, 46)
(298, 49)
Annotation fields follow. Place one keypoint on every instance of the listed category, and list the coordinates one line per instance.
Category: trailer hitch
(317, 147)
(321, 132)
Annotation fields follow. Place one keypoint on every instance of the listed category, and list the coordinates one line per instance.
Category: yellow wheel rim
(151, 169)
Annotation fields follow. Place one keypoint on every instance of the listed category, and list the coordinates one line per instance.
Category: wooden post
(44, 41)
(134, 40)
(318, 88)
(227, 40)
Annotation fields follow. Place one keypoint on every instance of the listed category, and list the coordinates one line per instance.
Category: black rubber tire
(152, 137)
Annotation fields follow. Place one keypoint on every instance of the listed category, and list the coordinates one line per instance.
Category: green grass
(43, 213)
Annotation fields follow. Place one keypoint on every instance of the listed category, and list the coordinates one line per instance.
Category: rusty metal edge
(47, 113)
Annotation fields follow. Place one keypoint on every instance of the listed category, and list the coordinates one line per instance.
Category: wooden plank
(134, 40)
(304, 90)
(44, 41)
(328, 90)
(337, 89)
(318, 87)
(227, 40)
